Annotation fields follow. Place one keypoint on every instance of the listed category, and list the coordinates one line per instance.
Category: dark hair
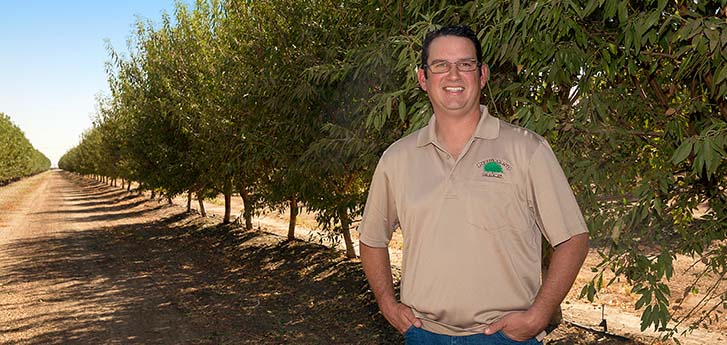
(450, 30)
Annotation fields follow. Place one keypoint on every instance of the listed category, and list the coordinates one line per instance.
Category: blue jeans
(418, 336)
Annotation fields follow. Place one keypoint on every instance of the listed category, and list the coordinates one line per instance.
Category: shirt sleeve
(380, 216)
(550, 197)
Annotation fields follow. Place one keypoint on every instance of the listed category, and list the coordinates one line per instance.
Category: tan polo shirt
(471, 226)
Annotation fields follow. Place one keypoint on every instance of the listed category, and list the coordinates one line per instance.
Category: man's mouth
(453, 89)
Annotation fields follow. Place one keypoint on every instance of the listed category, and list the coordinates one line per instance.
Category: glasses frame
(449, 64)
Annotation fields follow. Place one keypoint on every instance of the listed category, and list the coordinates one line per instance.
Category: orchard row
(18, 157)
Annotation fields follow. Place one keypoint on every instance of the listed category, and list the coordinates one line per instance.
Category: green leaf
(646, 318)
(713, 37)
(610, 8)
(711, 157)
(387, 107)
(659, 206)
(402, 109)
(652, 19)
(515, 8)
(640, 302)
(623, 12)
(682, 152)
(721, 74)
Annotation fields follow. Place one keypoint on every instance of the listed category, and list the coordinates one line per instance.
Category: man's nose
(453, 72)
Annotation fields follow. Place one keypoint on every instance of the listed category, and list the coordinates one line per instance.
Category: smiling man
(472, 196)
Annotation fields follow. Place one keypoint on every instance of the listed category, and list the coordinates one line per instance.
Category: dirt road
(70, 271)
(84, 263)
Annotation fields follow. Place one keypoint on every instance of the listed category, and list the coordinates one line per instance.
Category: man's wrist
(537, 318)
(387, 304)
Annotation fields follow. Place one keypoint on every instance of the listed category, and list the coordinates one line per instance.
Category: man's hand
(401, 317)
(518, 326)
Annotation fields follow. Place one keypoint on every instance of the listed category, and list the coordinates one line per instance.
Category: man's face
(454, 93)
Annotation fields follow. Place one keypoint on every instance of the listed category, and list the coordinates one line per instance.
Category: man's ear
(422, 78)
(484, 75)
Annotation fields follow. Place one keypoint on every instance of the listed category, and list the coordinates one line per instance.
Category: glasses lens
(439, 67)
(467, 66)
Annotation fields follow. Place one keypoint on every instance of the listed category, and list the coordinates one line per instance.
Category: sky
(52, 62)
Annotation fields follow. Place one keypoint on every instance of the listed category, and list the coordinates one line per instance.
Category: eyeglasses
(438, 67)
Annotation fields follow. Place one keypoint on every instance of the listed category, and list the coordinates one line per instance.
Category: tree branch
(660, 96)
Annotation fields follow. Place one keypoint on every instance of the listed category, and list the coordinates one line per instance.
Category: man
(472, 195)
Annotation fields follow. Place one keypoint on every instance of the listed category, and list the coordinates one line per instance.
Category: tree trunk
(547, 255)
(128, 186)
(345, 229)
(153, 194)
(293, 217)
(189, 202)
(247, 204)
(202, 211)
(169, 200)
(228, 201)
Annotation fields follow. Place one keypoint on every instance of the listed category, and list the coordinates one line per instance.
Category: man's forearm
(564, 267)
(377, 267)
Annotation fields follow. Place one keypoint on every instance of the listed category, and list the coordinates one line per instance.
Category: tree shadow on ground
(98, 208)
(180, 280)
(175, 281)
(104, 290)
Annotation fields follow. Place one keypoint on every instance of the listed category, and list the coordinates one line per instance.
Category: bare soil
(614, 303)
(85, 263)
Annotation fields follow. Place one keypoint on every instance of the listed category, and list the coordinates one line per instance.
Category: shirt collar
(487, 128)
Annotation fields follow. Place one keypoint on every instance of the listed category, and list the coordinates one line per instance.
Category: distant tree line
(290, 103)
(18, 157)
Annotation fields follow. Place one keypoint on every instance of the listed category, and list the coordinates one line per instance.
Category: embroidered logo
(494, 167)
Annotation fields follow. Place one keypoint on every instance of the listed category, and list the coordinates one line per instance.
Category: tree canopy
(18, 157)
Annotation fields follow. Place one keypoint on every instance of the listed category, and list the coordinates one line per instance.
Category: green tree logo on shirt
(493, 167)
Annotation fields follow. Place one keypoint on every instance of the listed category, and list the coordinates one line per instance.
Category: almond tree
(277, 41)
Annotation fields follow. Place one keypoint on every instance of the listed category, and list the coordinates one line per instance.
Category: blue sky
(52, 56)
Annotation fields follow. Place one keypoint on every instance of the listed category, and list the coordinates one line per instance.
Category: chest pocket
(492, 205)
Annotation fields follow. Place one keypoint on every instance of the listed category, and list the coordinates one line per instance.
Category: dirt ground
(615, 303)
(85, 263)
